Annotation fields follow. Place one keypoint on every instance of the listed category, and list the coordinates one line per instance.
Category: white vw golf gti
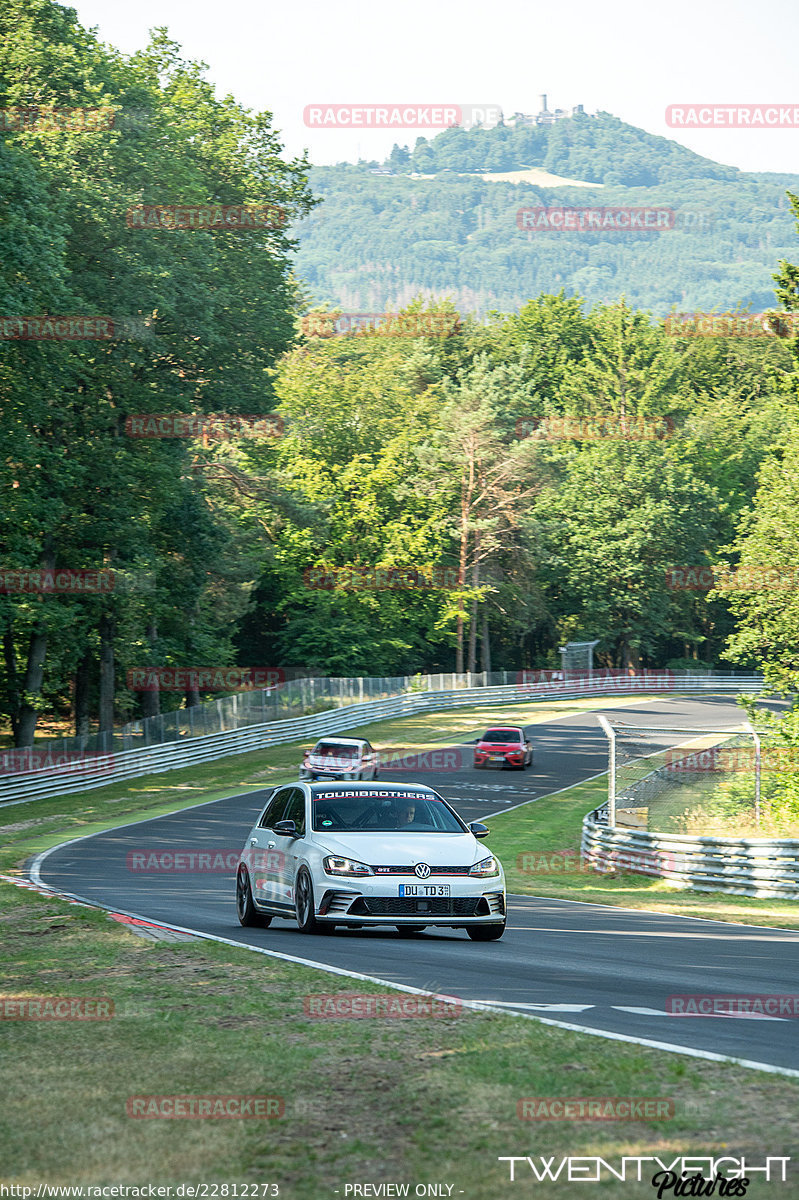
(359, 854)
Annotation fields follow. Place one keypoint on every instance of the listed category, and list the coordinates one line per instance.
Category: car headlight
(485, 867)
(335, 865)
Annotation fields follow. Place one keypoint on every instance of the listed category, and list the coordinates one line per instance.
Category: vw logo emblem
(422, 870)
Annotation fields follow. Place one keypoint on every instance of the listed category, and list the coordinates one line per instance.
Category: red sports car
(505, 744)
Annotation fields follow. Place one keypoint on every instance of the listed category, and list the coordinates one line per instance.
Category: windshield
(336, 749)
(502, 735)
(383, 812)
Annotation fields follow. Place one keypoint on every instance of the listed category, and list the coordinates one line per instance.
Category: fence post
(756, 740)
(611, 770)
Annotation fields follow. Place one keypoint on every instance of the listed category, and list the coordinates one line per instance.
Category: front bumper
(508, 760)
(313, 773)
(480, 902)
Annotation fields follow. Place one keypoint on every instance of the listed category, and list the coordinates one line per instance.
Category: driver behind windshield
(406, 812)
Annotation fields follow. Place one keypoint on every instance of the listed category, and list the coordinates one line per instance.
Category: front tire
(485, 933)
(245, 905)
(304, 905)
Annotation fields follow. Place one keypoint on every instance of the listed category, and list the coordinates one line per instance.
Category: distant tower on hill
(544, 116)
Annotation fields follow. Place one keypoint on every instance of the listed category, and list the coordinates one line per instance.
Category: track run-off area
(590, 967)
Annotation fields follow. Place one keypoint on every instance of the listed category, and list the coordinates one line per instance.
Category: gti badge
(422, 870)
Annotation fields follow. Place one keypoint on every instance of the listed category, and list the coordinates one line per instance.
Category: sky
(627, 57)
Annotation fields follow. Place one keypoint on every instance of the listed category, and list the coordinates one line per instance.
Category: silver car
(340, 758)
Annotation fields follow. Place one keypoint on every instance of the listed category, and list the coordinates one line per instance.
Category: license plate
(421, 890)
(497, 757)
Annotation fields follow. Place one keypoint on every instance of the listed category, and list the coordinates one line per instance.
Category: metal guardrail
(101, 770)
(766, 867)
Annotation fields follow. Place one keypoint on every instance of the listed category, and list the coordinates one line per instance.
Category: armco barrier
(129, 764)
(741, 866)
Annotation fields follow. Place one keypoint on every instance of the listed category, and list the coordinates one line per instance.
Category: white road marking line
(483, 787)
(476, 800)
(642, 1011)
(667, 933)
(659, 1012)
(664, 933)
(576, 1008)
(752, 1016)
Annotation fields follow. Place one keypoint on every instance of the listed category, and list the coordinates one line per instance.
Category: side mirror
(476, 827)
(287, 828)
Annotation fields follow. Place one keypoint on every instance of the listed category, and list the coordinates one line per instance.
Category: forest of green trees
(467, 456)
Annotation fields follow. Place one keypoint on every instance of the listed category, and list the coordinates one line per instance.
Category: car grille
(401, 906)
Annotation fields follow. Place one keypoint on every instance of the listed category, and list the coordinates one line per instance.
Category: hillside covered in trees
(377, 240)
